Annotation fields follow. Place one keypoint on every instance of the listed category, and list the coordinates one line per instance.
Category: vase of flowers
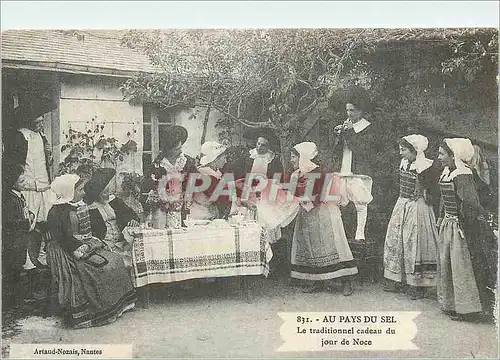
(156, 210)
(165, 203)
(173, 216)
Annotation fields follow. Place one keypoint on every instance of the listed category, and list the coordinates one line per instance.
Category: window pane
(146, 113)
(147, 184)
(146, 136)
(164, 117)
(146, 160)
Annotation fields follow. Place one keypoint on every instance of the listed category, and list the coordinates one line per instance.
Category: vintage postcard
(250, 192)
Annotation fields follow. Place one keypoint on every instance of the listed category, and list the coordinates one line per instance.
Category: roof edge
(68, 68)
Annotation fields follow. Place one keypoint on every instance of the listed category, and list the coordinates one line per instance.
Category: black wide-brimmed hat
(99, 180)
(30, 109)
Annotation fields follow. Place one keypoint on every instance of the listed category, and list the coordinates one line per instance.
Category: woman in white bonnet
(410, 252)
(468, 263)
(94, 286)
(320, 251)
(213, 159)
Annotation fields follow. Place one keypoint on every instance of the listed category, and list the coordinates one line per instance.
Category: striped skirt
(319, 248)
(90, 295)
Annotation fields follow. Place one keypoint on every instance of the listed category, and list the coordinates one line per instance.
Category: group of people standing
(457, 251)
(91, 260)
(453, 250)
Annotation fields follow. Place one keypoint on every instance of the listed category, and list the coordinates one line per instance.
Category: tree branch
(244, 122)
(300, 100)
(263, 104)
(309, 108)
(348, 50)
(207, 104)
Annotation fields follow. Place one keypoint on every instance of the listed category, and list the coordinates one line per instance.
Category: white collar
(306, 169)
(360, 125)
(29, 131)
(447, 176)
(419, 165)
(268, 156)
(79, 203)
(64, 201)
(96, 204)
(206, 170)
(180, 162)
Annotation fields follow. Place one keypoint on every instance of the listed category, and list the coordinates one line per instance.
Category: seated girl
(109, 215)
(203, 208)
(94, 287)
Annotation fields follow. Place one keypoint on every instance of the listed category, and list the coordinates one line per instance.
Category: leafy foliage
(276, 77)
(83, 148)
(258, 78)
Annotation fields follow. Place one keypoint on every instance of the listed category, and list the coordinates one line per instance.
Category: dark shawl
(223, 202)
(123, 213)
(481, 241)
(317, 187)
(59, 221)
(16, 238)
(428, 184)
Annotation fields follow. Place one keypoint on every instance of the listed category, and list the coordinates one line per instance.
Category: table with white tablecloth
(171, 255)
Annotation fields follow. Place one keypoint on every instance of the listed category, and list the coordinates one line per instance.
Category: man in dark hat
(355, 140)
(265, 157)
(28, 148)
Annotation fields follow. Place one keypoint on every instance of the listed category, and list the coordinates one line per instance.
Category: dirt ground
(211, 324)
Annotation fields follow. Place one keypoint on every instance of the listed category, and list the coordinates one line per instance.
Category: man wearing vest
(355, 140)
(30, 149)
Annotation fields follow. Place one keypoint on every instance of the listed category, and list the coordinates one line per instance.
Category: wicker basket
(368, 259)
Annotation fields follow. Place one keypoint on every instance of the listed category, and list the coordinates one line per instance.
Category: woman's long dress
(319, 247)
(468, 264)
(410, 252)
(271, 213)
(108, 221)
(91, 292)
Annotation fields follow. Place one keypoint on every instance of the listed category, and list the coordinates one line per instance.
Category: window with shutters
(155, 124)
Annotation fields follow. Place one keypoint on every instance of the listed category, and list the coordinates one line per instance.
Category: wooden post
(245, 289)
(144, 296)
(56, 128)
(205, 125)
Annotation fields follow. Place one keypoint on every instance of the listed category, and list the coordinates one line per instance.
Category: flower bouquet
(166, 203)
